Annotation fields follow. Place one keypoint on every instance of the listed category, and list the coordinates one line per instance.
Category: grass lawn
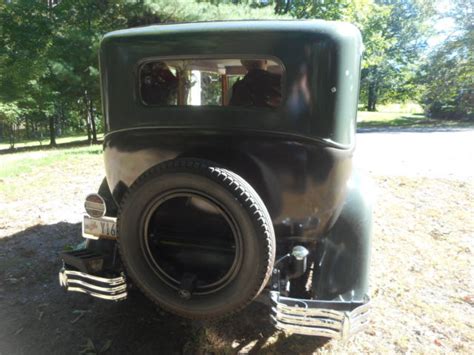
(365, 119)
(22, 163)
(405, 120)
(23, 174)
(5, 145)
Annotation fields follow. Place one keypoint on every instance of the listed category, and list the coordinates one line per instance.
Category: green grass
(45, 142)
(16, 164)
(405, 120)
(382, 119)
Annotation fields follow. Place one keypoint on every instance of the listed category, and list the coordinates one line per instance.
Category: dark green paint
(298, 157)
(322, 61)
(343, 254)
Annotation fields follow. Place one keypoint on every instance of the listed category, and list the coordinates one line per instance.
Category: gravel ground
(421, 270)
(436, 153)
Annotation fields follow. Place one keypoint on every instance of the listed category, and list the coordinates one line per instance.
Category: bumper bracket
(83, 272)
(331, 319)
(114, 289)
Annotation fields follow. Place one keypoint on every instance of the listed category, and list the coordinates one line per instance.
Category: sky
(444, 26)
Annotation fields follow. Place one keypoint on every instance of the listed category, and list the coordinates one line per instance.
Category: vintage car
(228, 163)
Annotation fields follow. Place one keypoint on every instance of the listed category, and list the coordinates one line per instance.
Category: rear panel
(302, 182)
(320, 87)
(296, 155)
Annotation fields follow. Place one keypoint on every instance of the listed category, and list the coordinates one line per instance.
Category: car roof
(330, 28)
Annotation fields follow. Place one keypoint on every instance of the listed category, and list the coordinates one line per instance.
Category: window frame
(144, 61)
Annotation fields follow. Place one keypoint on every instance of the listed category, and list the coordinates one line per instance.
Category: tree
(448, 74)
(74, 71)
(209, 10)
(394, 34)
(10, 115)
(401, 31)
(26, 36)
(24, 40)
(48, 49)
(319, 9)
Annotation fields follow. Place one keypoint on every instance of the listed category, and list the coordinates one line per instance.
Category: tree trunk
(92, 121)
(27, 128)
(12, 137)
(88, 122)
(89, 136)
(60, 122)
(372, 96)
(52, 132)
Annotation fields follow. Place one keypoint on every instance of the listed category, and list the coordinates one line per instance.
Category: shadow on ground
(37, 317)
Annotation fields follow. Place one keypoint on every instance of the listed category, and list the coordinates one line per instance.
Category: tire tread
(248, 197)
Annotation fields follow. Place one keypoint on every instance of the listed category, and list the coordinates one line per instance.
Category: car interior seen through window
(211, 82)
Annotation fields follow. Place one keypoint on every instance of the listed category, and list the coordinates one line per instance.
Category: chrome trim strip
(116, 289)
(306, 319)
(112, 282)
(118, 297)
(361, 309)
(313, 312)
(296, 329)
(75, 281)
(89, 236)
(314, 322)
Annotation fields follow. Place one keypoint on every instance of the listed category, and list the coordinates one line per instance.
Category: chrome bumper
(331, 319)
(114, 289)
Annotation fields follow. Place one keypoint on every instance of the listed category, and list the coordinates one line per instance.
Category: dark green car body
(324, 56)
(297, 156)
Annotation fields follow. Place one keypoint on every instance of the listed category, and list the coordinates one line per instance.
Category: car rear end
(294, 151)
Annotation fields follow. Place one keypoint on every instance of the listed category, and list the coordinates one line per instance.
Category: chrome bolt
(185, 294)
(299, 252)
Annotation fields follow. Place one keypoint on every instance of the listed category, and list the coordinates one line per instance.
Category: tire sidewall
(240, 290)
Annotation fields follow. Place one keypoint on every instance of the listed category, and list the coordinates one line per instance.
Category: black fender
(250, 168)
(341, 268)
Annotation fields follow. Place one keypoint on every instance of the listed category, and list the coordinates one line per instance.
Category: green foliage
(25, 38)
(9, 112)
(321, 9)
(48, 60)
(448, 74)
(394, 34)
(10, 119)
(192, 11)
(395, 38)
(49, 77)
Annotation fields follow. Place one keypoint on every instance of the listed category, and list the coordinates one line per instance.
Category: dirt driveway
(422, 283)
(431, 153)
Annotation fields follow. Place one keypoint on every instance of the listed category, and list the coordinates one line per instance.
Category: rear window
(211, 82)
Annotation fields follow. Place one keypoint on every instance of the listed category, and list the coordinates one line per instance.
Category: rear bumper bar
(331, 319)
(113, 289)
(82, 271)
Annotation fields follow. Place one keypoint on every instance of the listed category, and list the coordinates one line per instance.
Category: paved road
(431, 153)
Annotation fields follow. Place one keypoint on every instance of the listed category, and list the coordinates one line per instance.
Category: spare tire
(196, 238)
